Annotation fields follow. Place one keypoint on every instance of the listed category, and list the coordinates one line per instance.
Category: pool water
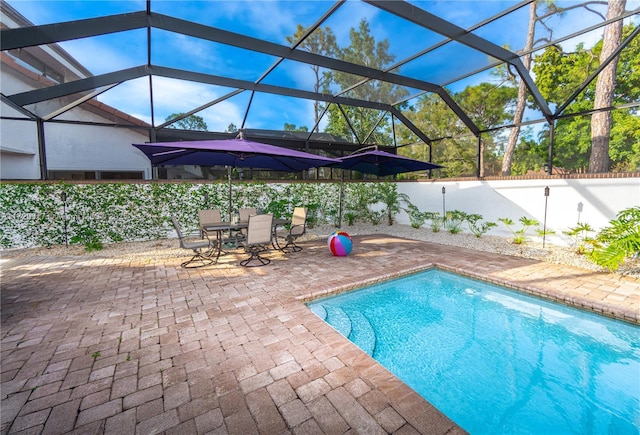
(494, 360)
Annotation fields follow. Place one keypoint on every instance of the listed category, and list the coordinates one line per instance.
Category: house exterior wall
(69, 147)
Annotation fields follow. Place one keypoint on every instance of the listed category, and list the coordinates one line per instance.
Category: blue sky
(274, 21)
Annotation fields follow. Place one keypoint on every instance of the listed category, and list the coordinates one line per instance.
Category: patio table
(220, 228)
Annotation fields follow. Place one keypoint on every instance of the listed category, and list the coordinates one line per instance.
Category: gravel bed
(168, 248)
(531, 249)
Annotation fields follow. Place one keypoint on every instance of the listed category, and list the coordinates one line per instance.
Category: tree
(293, 127)
(521, 102)
(488, 106)
(321, 41)
(559, 73)
(191, 122)
(605, 87)
(548, 10)
(357, 122)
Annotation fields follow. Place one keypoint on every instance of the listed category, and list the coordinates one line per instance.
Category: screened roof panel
(274, 111)
(130, 97)
(56, 11)
(268, 20)
(437, 65)
(209, 57)
(170, 49)
(292, 74)
(117, 51)
(399, 34)
(494, 30)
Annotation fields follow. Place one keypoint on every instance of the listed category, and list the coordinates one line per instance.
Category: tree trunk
(521, 102)
(605, 87)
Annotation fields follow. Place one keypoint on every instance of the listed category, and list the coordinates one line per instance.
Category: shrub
(453, 221)
(618, 241)
(437, 221)
(519, 235)
(477, 227)
(580, 234)
(416, 217)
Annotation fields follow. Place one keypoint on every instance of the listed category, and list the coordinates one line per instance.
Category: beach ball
(340, 243)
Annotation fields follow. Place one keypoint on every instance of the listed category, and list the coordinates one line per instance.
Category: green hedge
(33, 214)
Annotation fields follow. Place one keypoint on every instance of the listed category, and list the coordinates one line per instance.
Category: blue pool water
(494, 360)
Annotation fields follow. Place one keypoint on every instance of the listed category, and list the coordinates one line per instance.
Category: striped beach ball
(340, 243)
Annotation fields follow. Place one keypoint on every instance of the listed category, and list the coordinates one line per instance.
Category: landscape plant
(436, 221)
(453, 221)
(375, 216)
(416, 217)
(519, 235)
(617, 241)
(350, 217)
(477, 226)
(392, 199)
(580, 235)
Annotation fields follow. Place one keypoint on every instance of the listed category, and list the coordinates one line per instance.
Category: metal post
(544, 226)
(42, 150)
(550, 152)
(444, 212)
(63, 197)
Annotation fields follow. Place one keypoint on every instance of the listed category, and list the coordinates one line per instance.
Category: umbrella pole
(229, 177)
(341, 196)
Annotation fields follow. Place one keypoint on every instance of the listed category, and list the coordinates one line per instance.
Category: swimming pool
(495, 360)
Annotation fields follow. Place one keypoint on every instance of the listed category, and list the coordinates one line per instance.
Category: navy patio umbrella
(380, 163)
(238, 152)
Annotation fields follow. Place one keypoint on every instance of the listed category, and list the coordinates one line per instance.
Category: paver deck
(103, 345)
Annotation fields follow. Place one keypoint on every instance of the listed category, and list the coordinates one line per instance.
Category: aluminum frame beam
(52, 33)
(432, 22)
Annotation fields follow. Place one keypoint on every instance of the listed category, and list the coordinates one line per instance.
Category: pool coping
(616, 312)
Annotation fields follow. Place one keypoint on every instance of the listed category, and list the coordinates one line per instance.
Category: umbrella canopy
(239, 153)
(382, 163)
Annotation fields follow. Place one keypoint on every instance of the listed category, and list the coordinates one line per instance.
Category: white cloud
(172, 96)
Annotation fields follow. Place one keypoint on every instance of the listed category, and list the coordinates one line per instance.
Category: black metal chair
(202, 249)
(259, 233)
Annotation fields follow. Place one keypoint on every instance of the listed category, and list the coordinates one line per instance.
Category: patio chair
(297, 229)
(244, 213)
(208, 217)
(259, 234)
(243, 216)
(200, 257)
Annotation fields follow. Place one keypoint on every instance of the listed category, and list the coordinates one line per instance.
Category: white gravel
(168, 248)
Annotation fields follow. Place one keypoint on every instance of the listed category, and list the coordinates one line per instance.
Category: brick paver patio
(101, 345)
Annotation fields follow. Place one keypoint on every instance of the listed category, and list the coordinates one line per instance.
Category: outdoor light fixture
(544, 226)
(444, 213)
(206, 200)
(63, 198)
(580, 206)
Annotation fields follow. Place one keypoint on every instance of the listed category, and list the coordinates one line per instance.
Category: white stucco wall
(599, 200)
(95, 148)
(19, 157)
